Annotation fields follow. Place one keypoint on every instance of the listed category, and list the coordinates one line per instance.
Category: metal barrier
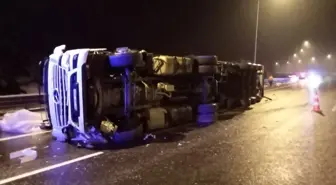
(21, 101)
(36, 101)
(276, 82)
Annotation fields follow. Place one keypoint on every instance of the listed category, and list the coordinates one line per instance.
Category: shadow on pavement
(285, 108)
(319, 112)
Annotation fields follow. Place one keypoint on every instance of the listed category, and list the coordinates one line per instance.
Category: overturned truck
(96, 96)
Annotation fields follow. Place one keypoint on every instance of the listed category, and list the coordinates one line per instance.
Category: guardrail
(21, 100)
(276, 83)
(28, 101)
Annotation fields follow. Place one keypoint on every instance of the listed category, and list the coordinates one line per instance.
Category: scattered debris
(22, 121)
(149, 136)
(267, 98)
(24, 155)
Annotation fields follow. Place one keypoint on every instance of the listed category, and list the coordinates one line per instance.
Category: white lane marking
(48, 168)
(24, 135)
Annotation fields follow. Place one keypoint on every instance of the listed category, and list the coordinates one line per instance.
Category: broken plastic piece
(149, 136)
(108, 127)
(24, 155)
(21, 122)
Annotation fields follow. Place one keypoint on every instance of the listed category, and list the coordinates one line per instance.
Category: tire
(253, 100)
(206, 60)
(207, 69)
(99, 97)
(125, 59)
(206, 119)
(231, 103)
(243, 65)
(207, 108)
(246, 103)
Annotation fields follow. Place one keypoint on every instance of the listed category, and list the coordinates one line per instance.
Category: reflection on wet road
(277, 142)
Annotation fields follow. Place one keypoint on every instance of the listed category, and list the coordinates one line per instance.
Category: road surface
(277, 142)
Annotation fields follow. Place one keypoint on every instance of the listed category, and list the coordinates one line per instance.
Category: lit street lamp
(306, 43)
(256, 31)
(329, 56)
(256, 34)
(288, 62)
(299, 61)
(295, 55)
(276, 63)
(313, 59)
(301, 50)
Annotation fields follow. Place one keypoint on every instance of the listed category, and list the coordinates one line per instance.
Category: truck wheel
(207, 69)
(207, 108)
(125, 59)
(206, 119)
(206, 60)
(253, 100)
(230, 103)
(246, 103)
(243, 65)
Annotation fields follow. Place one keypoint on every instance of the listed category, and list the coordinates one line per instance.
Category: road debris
(24, 155)
(149, 136)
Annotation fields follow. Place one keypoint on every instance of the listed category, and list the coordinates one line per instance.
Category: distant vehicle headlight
(302, 75)
(314, 80)
(294, 78)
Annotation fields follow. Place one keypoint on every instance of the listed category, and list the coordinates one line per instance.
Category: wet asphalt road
(277, 142)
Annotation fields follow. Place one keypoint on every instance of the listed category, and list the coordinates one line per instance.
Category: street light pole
(256, 34)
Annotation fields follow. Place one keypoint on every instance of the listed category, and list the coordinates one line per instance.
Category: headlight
(294, 79)
(314, 80)
(302, 75)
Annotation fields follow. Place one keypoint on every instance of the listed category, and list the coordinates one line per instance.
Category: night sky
(31, 29)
